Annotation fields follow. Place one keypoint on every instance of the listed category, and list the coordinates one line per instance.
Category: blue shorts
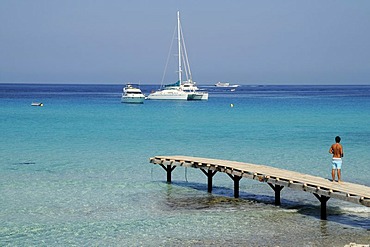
(337, 163)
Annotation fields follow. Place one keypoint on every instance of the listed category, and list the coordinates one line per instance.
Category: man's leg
(338, 170)
(333, 174)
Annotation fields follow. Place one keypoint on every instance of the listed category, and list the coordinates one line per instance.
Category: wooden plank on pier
(346, 191)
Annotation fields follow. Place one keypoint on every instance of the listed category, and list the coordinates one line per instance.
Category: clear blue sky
(240, 41)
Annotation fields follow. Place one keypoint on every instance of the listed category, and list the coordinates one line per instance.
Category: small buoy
(231, 105)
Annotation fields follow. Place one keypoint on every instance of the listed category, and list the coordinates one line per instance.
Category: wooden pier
(276, 178)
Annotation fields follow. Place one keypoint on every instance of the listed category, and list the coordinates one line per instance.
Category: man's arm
(331, 149)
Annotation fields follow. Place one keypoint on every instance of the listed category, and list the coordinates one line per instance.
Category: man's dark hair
(337, 139)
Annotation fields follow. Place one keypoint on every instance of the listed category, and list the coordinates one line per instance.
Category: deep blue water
(77, 172)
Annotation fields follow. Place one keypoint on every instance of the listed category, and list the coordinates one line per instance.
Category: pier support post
(236, 180)
(168, 169)
(323, 200)
(277, 188)
(209, 174)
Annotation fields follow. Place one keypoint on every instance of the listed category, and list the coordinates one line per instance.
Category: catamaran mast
(179, 45)
(184, 65)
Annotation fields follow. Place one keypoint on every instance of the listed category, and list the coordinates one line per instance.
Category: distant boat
(37, 104)
(225, 84)
(182, 89)
(132, 94)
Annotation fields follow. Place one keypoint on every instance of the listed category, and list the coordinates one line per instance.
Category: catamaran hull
(199, 96)
(161, 95)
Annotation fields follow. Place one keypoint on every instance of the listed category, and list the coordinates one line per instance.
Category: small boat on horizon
(37, 104)
(132, 94)
(225, 84)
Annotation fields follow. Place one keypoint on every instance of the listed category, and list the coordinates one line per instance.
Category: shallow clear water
(77, 172)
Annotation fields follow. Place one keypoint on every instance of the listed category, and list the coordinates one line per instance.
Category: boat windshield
(134, 92)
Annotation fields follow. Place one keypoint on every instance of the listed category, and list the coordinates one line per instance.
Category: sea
(76, 171)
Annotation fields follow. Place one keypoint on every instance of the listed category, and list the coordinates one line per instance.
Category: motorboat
(132, 94)
(37, 104)
(225, 84)
(182, 89)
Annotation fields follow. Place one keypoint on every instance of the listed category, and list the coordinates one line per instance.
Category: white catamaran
(181, 90)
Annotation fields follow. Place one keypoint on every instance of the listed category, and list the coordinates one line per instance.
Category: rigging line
(186, 55)
(183, 54)
(186, 69)
(168, 56)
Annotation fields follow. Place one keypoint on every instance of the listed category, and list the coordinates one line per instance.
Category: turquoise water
(76, 171)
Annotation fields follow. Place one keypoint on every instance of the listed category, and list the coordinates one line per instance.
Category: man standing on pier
(337, 150)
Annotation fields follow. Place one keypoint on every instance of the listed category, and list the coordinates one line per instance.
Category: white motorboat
(37, 104)
(182, 89)
(132, 94)
(225, 84)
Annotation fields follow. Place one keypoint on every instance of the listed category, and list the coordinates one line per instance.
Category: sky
(237, 41)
